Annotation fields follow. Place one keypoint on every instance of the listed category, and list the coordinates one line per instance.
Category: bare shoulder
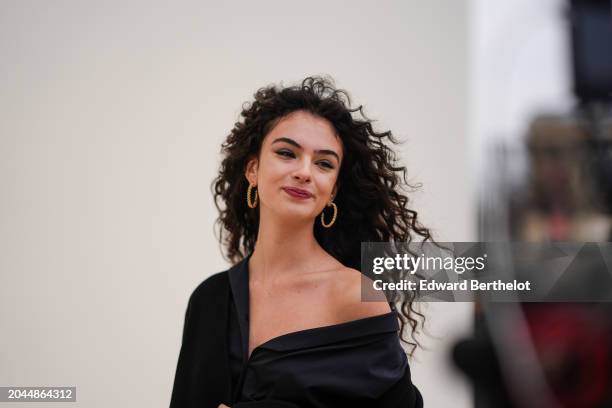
(347, 292)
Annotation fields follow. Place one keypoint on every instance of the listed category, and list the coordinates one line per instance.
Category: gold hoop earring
(248, 197)
(333, 218)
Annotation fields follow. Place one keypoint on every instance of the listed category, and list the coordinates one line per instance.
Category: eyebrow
(296, 144)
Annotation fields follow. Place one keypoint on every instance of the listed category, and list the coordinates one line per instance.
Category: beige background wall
(112, 117)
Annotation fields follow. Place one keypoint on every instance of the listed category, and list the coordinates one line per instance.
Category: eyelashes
(289, 154)
(285, 153)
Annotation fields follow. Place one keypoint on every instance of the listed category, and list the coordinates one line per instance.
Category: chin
(293, 215)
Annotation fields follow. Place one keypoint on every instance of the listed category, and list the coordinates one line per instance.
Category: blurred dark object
(567, 191)
(573, 344)
(591, 30)
(547, 355)
(552, 355)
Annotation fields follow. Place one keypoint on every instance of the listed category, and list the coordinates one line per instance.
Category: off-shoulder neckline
(308, 337)
(332, 333)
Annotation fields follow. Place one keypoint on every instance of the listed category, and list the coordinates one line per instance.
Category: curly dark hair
(373, 209)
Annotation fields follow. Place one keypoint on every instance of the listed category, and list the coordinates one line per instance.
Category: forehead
(310, 131)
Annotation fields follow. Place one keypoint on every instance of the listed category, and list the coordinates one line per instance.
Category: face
(298, 166)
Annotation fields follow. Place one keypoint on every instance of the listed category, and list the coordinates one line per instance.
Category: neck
(283, 247)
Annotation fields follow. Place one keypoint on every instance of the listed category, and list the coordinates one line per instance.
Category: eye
(285, 153)
(326, 164)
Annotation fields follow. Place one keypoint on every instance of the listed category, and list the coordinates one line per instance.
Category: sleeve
(185, 369)
(200, 379)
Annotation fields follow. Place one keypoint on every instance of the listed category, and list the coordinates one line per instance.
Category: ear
(251, 170)
(334, 192)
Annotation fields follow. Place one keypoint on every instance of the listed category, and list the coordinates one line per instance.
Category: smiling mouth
(297, 193)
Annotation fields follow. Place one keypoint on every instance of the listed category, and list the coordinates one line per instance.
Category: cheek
(275, 168)
(269, 171)
(271, 178)
(326, 183)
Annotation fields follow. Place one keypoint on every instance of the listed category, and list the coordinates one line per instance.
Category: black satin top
(352, 363)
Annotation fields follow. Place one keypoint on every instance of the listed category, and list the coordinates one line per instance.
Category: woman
(303, 183)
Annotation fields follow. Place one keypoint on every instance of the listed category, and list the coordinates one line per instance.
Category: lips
(297, 192)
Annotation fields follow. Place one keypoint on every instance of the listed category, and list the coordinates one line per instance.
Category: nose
(302, 173)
